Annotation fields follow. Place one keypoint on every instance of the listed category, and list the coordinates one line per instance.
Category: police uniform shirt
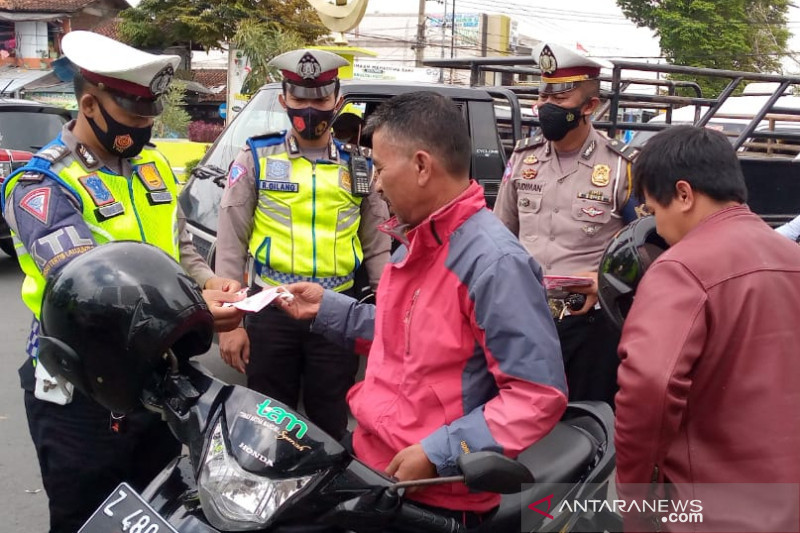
(236, 221)
(61, 222)
(564, 218)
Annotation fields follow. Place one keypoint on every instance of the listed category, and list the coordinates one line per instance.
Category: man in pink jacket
(711, 347)
(463, 352)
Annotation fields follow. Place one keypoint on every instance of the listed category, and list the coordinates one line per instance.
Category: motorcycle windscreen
(268, 438)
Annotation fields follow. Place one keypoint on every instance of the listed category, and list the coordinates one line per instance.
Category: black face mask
(557, 121)
(119, 139)
(311, 123)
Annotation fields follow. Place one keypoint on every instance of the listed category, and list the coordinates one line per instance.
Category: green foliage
(748, 35)
(174, 120)
(161, 23)
(260, 43)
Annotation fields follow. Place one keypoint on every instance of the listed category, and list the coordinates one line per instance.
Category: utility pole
(444, 35)
(419, 49)
(453, 29)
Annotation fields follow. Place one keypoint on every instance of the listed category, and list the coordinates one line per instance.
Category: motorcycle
(255, 464)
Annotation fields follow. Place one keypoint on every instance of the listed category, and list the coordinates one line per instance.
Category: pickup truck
(643, 98)
(766, 133)
(202, 193)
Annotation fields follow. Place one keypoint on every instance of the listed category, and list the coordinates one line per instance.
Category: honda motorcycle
(254, 464)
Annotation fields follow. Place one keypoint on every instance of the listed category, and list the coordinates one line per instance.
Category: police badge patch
(97, 189)
(601, 175)
(151, 177)
(37, 204)
(161, 80)
(236, 172)
(278, 170)
(345, 181)
(308, 67)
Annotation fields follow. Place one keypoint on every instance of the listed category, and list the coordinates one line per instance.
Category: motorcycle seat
(558, 461)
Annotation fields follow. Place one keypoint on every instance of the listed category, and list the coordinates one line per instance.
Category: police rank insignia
(601, 175)
(87, 158)
(530, 160)
(529, 173)
(106, 204)
(292, 142)
(37, 204)
(150, 177)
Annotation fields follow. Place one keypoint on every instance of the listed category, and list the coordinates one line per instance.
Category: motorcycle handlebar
(419, 519)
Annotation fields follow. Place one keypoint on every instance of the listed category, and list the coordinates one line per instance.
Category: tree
(260, 43)
(174, 120)
(747, 35)
(208, 23)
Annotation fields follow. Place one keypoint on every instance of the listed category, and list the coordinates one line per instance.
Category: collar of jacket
(436, 229)
(708, 223)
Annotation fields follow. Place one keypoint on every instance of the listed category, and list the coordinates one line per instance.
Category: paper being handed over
(260, 300)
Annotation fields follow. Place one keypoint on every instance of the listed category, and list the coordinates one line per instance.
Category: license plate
(124, 511)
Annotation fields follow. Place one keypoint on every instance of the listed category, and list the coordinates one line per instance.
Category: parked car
(263, 114)
(25, 126)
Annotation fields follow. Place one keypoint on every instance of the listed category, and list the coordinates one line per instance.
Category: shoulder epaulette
(268, 139)
(529, 142)
(625, 150)
(53, 152)
(355, 149)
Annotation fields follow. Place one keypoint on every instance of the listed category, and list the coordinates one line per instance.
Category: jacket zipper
(407, 320)
(656, 523)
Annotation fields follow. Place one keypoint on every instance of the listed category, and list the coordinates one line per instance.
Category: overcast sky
(598, 25)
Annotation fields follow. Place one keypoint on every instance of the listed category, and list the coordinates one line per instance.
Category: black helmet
(632, 250)
(109, 316)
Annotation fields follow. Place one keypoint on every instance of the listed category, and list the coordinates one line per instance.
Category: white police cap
(562, 68)
(309, 73)
(135, 79)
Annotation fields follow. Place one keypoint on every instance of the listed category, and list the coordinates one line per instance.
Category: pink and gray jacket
(463, 352)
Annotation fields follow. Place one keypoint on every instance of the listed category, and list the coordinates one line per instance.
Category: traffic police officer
(98, 181)
(565, 193)
(298, 207)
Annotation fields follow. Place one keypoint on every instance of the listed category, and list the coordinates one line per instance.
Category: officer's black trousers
(82, 460)
(285, 355)
(589, 346)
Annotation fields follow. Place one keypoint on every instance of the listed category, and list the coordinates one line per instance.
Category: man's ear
(684, 195)
(423, 163)
(87, 105)
(591, 105)
(282, 101)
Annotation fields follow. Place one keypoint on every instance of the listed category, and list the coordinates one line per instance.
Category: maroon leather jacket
(710, 372)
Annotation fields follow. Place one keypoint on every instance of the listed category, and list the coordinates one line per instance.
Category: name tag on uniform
(280, 186)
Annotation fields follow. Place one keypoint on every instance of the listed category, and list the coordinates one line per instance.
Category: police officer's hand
(306, 301)
(225, 318)
(411, 463)
(590, 292)
(234, 348)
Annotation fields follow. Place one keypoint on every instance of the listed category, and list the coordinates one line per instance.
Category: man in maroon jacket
(709, 378)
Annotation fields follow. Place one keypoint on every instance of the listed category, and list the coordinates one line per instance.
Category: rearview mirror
(493, 472)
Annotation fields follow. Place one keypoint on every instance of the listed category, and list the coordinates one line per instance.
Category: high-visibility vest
(140, 208)
(306, 221)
